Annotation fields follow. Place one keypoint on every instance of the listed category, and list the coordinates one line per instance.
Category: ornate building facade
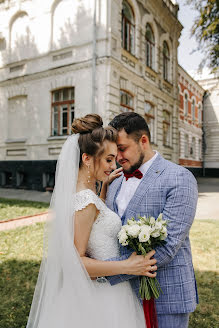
(62, 59)
(190, 122)
(210, 84)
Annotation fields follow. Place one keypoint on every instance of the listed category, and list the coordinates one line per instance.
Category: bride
(71, 290)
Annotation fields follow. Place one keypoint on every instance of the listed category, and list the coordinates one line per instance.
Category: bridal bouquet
(142, 236)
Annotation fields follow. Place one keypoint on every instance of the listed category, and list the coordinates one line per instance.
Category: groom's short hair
(133, 124)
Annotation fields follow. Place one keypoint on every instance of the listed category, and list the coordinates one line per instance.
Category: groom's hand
(140, 265)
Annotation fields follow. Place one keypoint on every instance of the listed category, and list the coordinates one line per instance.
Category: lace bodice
(103, 242)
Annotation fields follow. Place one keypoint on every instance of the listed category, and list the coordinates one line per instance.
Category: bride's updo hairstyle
(92, 135)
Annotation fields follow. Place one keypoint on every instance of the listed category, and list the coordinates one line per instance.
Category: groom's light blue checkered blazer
(172, 190)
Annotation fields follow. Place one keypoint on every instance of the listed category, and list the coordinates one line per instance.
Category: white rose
(131, 222)
(155, 234)
(144, 236)
(152, 220)
(133, 230)
(123, 238)
(163, 236)
(158, 225)
(164, 229)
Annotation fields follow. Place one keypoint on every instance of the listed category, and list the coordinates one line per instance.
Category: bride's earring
(88, 173)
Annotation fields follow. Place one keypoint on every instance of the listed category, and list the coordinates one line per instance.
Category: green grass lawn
(20, 255)
(12, 208)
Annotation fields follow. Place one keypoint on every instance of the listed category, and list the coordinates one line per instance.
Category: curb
(24, 217)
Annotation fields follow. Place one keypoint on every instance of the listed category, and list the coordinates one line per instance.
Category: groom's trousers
(173, 320)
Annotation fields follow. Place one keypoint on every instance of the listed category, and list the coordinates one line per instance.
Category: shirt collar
(144, 167)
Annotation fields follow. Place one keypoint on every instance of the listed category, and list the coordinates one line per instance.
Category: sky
(187, 58)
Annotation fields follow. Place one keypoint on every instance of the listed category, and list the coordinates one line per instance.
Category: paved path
(208, 199)
(207, 208)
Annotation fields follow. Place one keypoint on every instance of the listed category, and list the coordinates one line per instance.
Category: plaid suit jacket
(172, 190)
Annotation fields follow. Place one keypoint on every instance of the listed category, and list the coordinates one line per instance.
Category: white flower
(152, 220)
(123, 238)
(155, 234)
(158, 225)
(131, 222)
(133, 230)
(163, 236)
(144, 236)
(164, 229)
(160, 217)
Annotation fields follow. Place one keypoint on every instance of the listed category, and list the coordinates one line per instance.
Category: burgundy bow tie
(137, 174)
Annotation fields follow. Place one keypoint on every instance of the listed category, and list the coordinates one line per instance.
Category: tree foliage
(206, 30)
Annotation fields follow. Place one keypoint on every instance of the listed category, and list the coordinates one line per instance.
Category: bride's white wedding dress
(123, 308)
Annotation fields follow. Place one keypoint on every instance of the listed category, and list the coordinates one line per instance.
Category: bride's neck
(85, 182)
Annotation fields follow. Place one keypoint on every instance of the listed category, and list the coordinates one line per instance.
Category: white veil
(64, 295)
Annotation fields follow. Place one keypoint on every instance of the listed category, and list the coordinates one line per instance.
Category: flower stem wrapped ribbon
(142, 236)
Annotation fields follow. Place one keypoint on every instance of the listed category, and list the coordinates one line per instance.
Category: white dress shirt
(129, 187)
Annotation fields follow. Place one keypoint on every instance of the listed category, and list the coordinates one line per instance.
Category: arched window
(193, 110)
(128, 27)
(166, 128)
(200, 114)
(64, 23)
(150, 47)
(186, 145)
(186, 104)
(193, 148)
(126, 101)
(149, 112)
(166, 61)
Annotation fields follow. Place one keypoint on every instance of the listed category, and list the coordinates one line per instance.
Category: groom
(160, 187)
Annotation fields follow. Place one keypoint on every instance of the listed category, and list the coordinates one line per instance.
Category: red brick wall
(190, 163)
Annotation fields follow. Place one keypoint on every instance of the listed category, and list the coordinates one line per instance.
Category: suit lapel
(115, 190)
(157, 167)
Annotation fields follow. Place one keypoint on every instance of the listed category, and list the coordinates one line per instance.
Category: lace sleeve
(85, 197)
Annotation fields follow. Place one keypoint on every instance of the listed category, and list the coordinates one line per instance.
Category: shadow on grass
(18, 279)
(22, 203)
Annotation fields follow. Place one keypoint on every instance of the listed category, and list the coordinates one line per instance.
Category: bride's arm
(115, 174)
(135, 264)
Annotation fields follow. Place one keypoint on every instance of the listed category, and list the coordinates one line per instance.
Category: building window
(149, 112)
(62, 111)
(128, 27)
(166, 61)
(200, 114)
(126, 101)
(150, 47)
(200, 149)
(166, 128)
(186, 145)
(192, 149)
(193, 110)
(186, 104)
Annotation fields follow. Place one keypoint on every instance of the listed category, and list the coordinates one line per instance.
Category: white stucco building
(61, 59)
(211, 123)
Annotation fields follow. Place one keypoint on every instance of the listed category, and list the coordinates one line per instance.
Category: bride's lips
(107, 172)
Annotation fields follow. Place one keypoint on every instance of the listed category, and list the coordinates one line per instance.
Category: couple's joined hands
(140, 265)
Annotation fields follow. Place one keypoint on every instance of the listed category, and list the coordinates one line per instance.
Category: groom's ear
(144, 140)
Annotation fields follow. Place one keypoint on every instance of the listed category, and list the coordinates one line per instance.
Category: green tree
(206, 30)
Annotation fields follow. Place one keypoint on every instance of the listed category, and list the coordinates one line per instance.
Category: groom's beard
(136, 165)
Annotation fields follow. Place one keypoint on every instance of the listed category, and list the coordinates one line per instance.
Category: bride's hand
(140, 265)
(114, 174)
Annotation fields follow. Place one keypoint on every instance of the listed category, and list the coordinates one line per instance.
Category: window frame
(131, 27)
(125, 105)
(150, 48)
(186, 104)
(193, 110)
(150, 116)
(166, 63)
(60, 104)
(165, 122)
